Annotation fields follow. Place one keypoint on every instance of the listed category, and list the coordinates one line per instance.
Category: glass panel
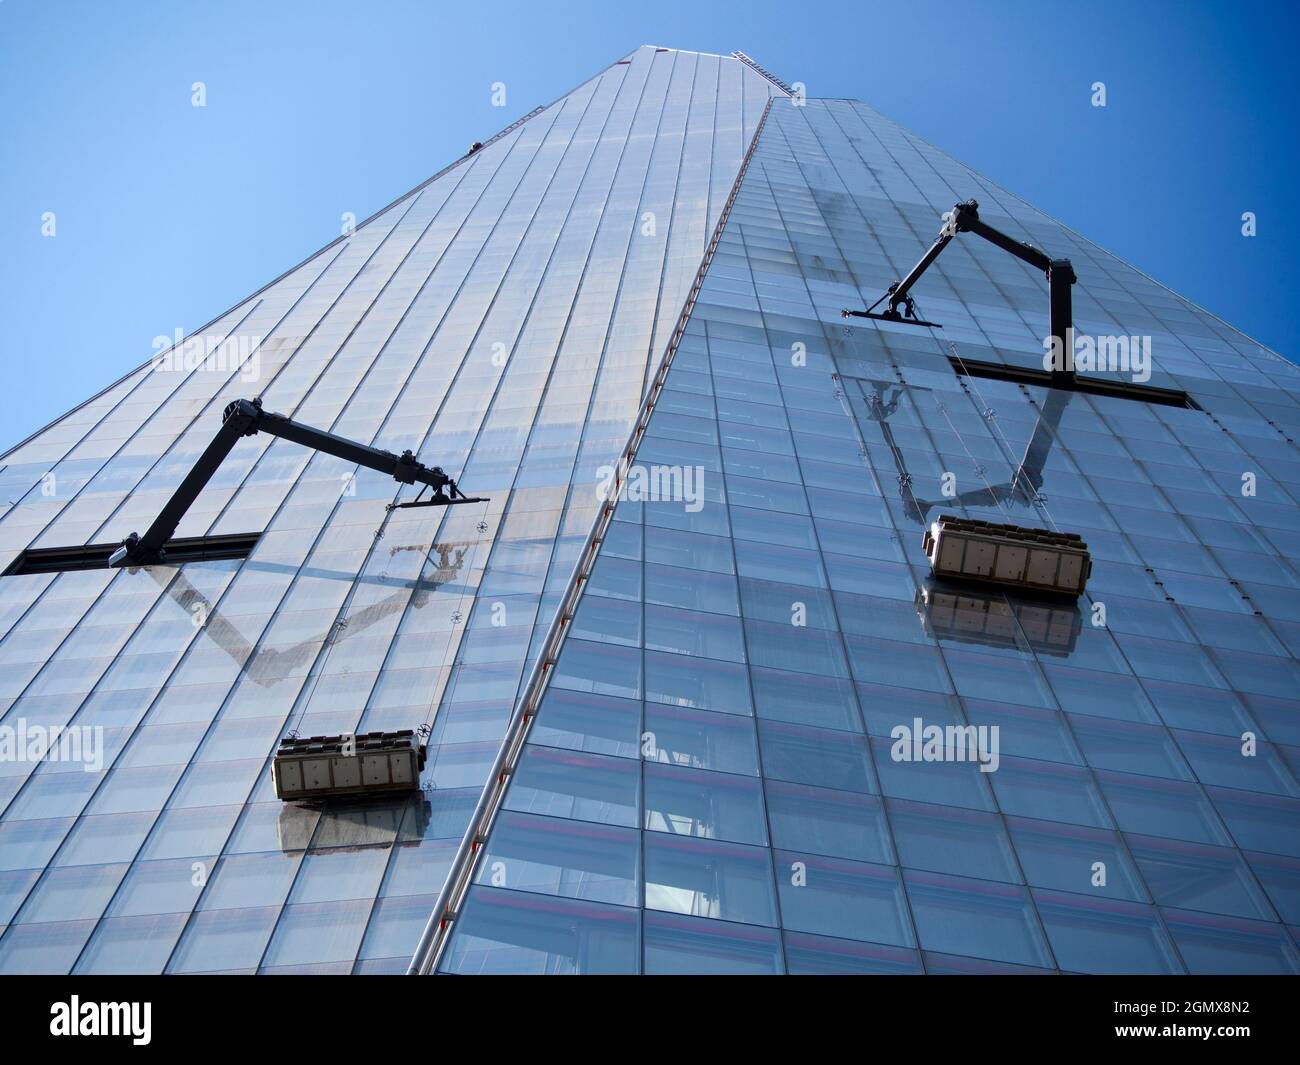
(688, 802)
(850, 900)
(700, 739)
(818, 956)
(221, 940)
(1105, 936)
(250, 880)
(312, 933)
(582, 861)
(592, 723)
(161, 887)
(841, 824)
(568, 784)
(1155, 807)
(76, 893)
(709, 879)
(513, 932)
(394, 926)
(131, 945)
(1214, 879)
(1071, 858)
(976, 918)
(687, 945)
(698, 682)
(944, 839)
(816, 756)
(1212, 944)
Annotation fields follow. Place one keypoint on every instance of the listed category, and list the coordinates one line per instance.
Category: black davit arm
(964, 218)
(246, 418)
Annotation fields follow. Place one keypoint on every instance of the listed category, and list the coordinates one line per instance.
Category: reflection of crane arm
(1025, 481)
(269, 665)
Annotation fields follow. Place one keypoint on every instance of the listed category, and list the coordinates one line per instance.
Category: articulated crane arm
(246, 418)
(964, 218)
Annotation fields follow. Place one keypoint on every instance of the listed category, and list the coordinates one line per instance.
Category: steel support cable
(990, 415)
(978, 467)
(340, 623)
(481, 527)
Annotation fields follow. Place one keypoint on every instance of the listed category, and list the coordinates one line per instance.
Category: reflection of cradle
(268, 666)
(362, 823)
(997, 621)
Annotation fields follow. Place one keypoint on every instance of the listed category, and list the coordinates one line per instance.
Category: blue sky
(168, 214)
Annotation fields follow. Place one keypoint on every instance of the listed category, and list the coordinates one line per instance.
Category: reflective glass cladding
(732, 768)
(500, 320)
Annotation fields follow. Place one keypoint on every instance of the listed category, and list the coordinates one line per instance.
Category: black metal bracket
(246, 417)
(888, 316)
(438, 501)
(964, 218)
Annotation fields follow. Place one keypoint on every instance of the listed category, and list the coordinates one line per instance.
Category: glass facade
(500, 320)
(715, 780)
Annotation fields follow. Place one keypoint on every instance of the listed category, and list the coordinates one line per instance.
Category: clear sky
(168, 214)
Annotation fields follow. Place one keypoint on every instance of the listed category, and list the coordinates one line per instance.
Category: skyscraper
(690, 646)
